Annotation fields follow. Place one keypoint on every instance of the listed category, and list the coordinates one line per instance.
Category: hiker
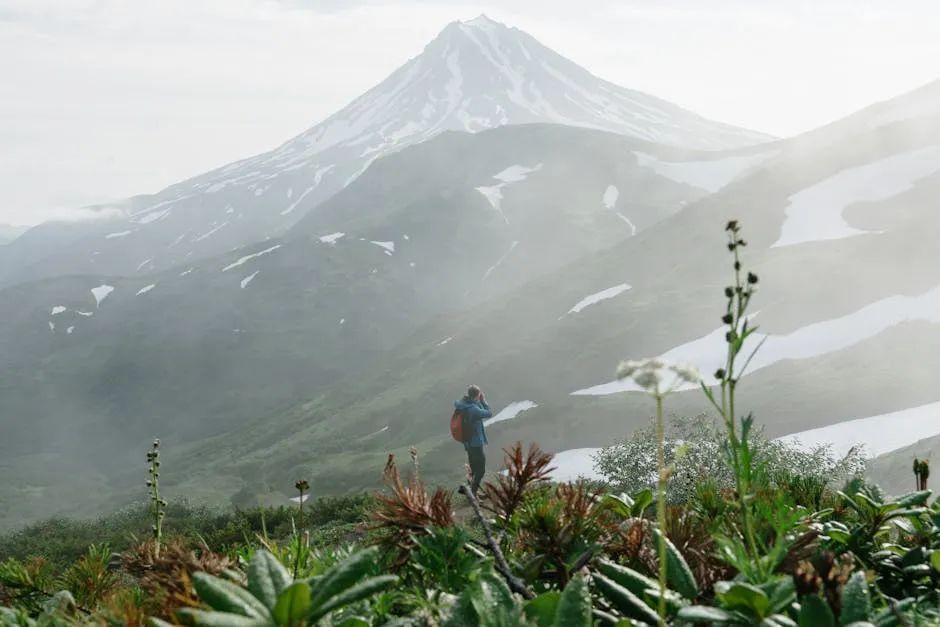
(474, 407)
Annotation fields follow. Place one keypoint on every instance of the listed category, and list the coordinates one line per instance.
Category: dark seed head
(732, 225)
(720, 373)
(751, 278)
(729, 292)
(737, 265)
(727, 318)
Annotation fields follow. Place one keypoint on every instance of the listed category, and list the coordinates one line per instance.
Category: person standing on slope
(474, 407)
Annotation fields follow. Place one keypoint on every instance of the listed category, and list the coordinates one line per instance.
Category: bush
(693, 450)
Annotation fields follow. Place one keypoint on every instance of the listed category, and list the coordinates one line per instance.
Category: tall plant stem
(661, 507)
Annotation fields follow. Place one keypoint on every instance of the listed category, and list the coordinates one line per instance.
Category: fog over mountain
(491, 212)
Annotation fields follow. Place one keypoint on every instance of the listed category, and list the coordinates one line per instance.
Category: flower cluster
(657, 376)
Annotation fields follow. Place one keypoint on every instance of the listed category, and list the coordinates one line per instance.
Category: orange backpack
(460, 426)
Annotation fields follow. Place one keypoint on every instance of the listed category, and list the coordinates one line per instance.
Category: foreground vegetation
(701, 522)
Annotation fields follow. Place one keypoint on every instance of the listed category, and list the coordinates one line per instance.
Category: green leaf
(343, 576)
(292, 604)
(542, 609)
(574, 607)
(642, 500)
(635, 582)
(225, 596)
(814, 612)
(704, 614)
(678, 573)
(355, 621)
(625, 601)
(856, 604)
(201, 618)
(935, 559)
(914, 499)
(267, 578)
(358, 592)
(740, 595)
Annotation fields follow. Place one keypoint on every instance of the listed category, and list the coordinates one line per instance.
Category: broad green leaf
(914, 499)
(542, 609)
(855, 601)
(781, 594)
(225, 596)
(642, 500)
(705, 614)
(625, 601)
(740, 595)
(202, 618)
(635, 582)
(574, 608)
(814, 612)
(778, 620)
(935, 559)
(343, 576)
(357, 592)
(355, 621)
(292, 604)
(267, 578)
(679, 575)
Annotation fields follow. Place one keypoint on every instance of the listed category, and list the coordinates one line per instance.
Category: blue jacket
(479, 411)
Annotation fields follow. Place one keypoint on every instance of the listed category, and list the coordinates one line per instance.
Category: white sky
(102, 99)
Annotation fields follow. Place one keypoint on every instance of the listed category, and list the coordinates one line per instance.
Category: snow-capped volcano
(473, 76)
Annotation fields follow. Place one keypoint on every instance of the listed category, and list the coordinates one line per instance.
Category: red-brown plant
(524, 471)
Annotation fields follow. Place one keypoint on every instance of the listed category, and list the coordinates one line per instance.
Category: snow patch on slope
(597, 297)
(512, 174)
(101, 292)
(146, 289)
(815, 213)
(574, 464)
(879, 434)
(331, 238)
(813, 340)
(510, 411)
(57, 310)
(248, 258)
(248, 279)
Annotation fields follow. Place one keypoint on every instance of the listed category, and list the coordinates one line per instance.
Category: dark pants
(477, 460)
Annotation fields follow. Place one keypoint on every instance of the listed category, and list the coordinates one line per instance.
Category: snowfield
(879, 434)
(248, 258)
(57, 310)
(813, 340)
(249, 278)
(510, 411)
(575, 463)
(332, 238)
(512, 174)
(144, 290)
(815, 214)
(597, 297)
(101, 292)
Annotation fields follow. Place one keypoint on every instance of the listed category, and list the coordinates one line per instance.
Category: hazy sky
(102, 99)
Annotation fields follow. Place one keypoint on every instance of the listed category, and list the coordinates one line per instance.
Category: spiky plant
(525, 471)
(409, 510)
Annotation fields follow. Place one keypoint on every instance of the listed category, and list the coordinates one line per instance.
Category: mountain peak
(482, 21)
